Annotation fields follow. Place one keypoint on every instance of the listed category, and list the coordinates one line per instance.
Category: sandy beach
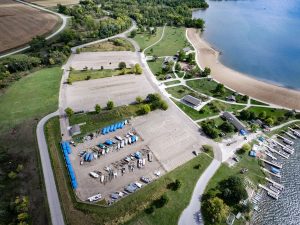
(239, 82)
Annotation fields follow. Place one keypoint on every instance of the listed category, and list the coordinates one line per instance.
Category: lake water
(258, 37)
(286, 210)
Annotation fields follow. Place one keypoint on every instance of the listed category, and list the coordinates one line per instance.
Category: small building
(231, 98)
(195, 102)
(75, 130)
(168, 59)
(234, 121)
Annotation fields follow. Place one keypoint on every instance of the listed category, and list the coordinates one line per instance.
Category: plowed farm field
(20, 23)
(51, 3)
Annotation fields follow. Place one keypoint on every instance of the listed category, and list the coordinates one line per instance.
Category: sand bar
(242, 83)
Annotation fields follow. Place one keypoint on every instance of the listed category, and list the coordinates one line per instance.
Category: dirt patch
(20, 23)
(21, 147)
(51, 3)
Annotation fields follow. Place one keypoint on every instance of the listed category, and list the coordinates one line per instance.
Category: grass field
(145, 39)
(172, 82)
(208, 87)
(180, 91)
(271, 112)
(255, 102)
(79, 75)
(30, 97)
(105, 117)
(115, 44)
(192, 113)
(156, 68)
(173, 41)
(22, 105)
(132, 207)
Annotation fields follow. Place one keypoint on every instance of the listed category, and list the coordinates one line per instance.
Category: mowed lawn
(31, 96)
(79, 75)
(173, 41)
(144, 39)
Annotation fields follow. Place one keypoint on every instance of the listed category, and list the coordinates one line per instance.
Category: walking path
(64, 23)
(52, 195)
(191, 215)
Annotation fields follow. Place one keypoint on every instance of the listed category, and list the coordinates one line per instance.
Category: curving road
(52, 195)
(64, 23)
(190, 216)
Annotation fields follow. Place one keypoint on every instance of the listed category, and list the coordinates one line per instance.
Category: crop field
(51, 3)
(20, 23)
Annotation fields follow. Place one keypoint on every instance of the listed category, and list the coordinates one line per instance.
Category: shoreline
(247, 85)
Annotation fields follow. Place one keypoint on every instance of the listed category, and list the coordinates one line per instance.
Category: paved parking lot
(109, 60)
(122, 90)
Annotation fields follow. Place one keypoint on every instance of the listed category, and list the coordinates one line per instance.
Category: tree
(207, 148)
(122, 65)
(227, 127)
(246, 147)
(190, 57)
(37, 43)
(110, 105)
(233, 190)
(145, 109)
(206, 72)
(245, 115)
(139, 99)
(254, 127)
(23, 216)
(269, 121)
(12, 175)
(262, 115)
(220, 89)
(215, 210)
(97, 108)
(69, 112)
(181, 55)
(163, 200)
(209, 129)
(133, 33)
(137, 69)
(20, 167)
(177, 67)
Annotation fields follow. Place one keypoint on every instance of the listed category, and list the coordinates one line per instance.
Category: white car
(94, 175)
(95, 198)
(139, 185)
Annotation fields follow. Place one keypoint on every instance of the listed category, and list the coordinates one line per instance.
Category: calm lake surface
(258, 37)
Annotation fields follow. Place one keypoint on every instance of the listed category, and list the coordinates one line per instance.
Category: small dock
(274, 174)
(275, 184)
(270, 155)
(269, 191)
(283, 154)
(290, 135)
(284, 147)
(296, 133)
(272, 163)
(285, 140)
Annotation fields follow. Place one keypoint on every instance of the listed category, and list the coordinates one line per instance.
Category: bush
(164, 105)
(145, 109)
(97, 108)
(88, 77)
(227, 127)
(110, 105)
(69, 112)
(139, 99)
(122, 65)
(161, 202)
(206, 72)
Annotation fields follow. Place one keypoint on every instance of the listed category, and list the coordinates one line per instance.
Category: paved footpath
(52, 195)
(190, 215)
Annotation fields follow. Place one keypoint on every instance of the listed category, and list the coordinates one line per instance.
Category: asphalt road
(52, 195)
(64, 23)
(190, 216)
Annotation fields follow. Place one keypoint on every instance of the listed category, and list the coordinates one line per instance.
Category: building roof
(186, 49)
(192, 100)
(75, 129)
(231, 98)
(234, 121)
